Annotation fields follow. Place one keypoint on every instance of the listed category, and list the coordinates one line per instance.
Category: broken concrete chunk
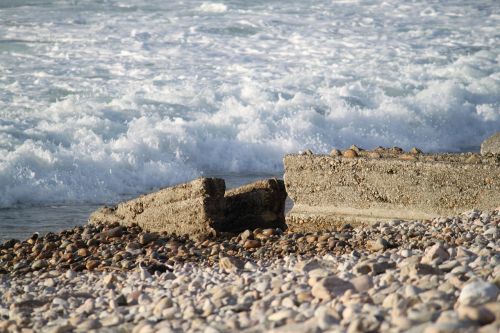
(194, 209)
(199, 209)
(257, 205)
(329, 191)
(491, 144)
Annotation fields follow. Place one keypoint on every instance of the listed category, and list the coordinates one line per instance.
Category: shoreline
(437, 275)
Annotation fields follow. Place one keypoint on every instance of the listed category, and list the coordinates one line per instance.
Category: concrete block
(386, 184)
(195, 209)
(491, 145)
(257, 205)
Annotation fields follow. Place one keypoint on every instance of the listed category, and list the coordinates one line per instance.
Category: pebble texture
(331, 281)
(329, 190)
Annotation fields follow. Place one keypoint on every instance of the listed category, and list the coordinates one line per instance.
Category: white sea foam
(213, 7)
(100, 99)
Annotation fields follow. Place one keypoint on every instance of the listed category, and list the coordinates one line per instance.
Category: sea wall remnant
(195, 209)
(202, 208)
(361, 187)
(257, 205)
(491, 145)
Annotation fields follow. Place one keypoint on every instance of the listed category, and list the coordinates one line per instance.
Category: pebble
(330, 287)
(438, 275)
(350, 153)
(477, 293)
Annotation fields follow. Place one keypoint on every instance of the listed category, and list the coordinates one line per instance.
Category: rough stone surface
(200, 208)
(195, 209)
(332, 190)
(491, 144)
(257, 205)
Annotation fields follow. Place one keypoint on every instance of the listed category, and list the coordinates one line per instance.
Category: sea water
(101, 100)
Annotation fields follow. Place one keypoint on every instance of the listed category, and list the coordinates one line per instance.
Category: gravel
(440, 275)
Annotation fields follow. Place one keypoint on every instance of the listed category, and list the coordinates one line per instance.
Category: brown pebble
(83, 252)
(349, 153)
(374, 154)
(251, 244)
(91, 264)
(269, 232)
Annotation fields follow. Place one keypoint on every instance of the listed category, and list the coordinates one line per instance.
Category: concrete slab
(257, 205)
(195, 209)
(386, 184)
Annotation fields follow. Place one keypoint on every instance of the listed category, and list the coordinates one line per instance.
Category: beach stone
(307, 265)
(448, 327)
(481, 315)
(113, 232)
(435, 253)
(247, 234)
(325, 317)
(89, 324)
(330, 287)
(281, 315)
(231, 264)
(350, 153)
(414, 269)
(147, 238)
(49, 282)
(308, 326)
(111, 320)
(39, 264)
(379, 244)
(251, 244)
(477, 293)
(362, 283)
(491, 145)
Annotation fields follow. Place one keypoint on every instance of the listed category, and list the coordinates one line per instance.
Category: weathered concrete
(491, 144)
(257, 205)
(201, 208)
(331, 190)
(195, 209)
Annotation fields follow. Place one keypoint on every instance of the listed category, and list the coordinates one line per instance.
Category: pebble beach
(439, 275)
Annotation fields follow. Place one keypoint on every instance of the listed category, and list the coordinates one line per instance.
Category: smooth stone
(435, 253)
(481, 315)
(330, 287)
(231, 264)
(450, 327)
(477, 293)
(281, 315)
(362, 282)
